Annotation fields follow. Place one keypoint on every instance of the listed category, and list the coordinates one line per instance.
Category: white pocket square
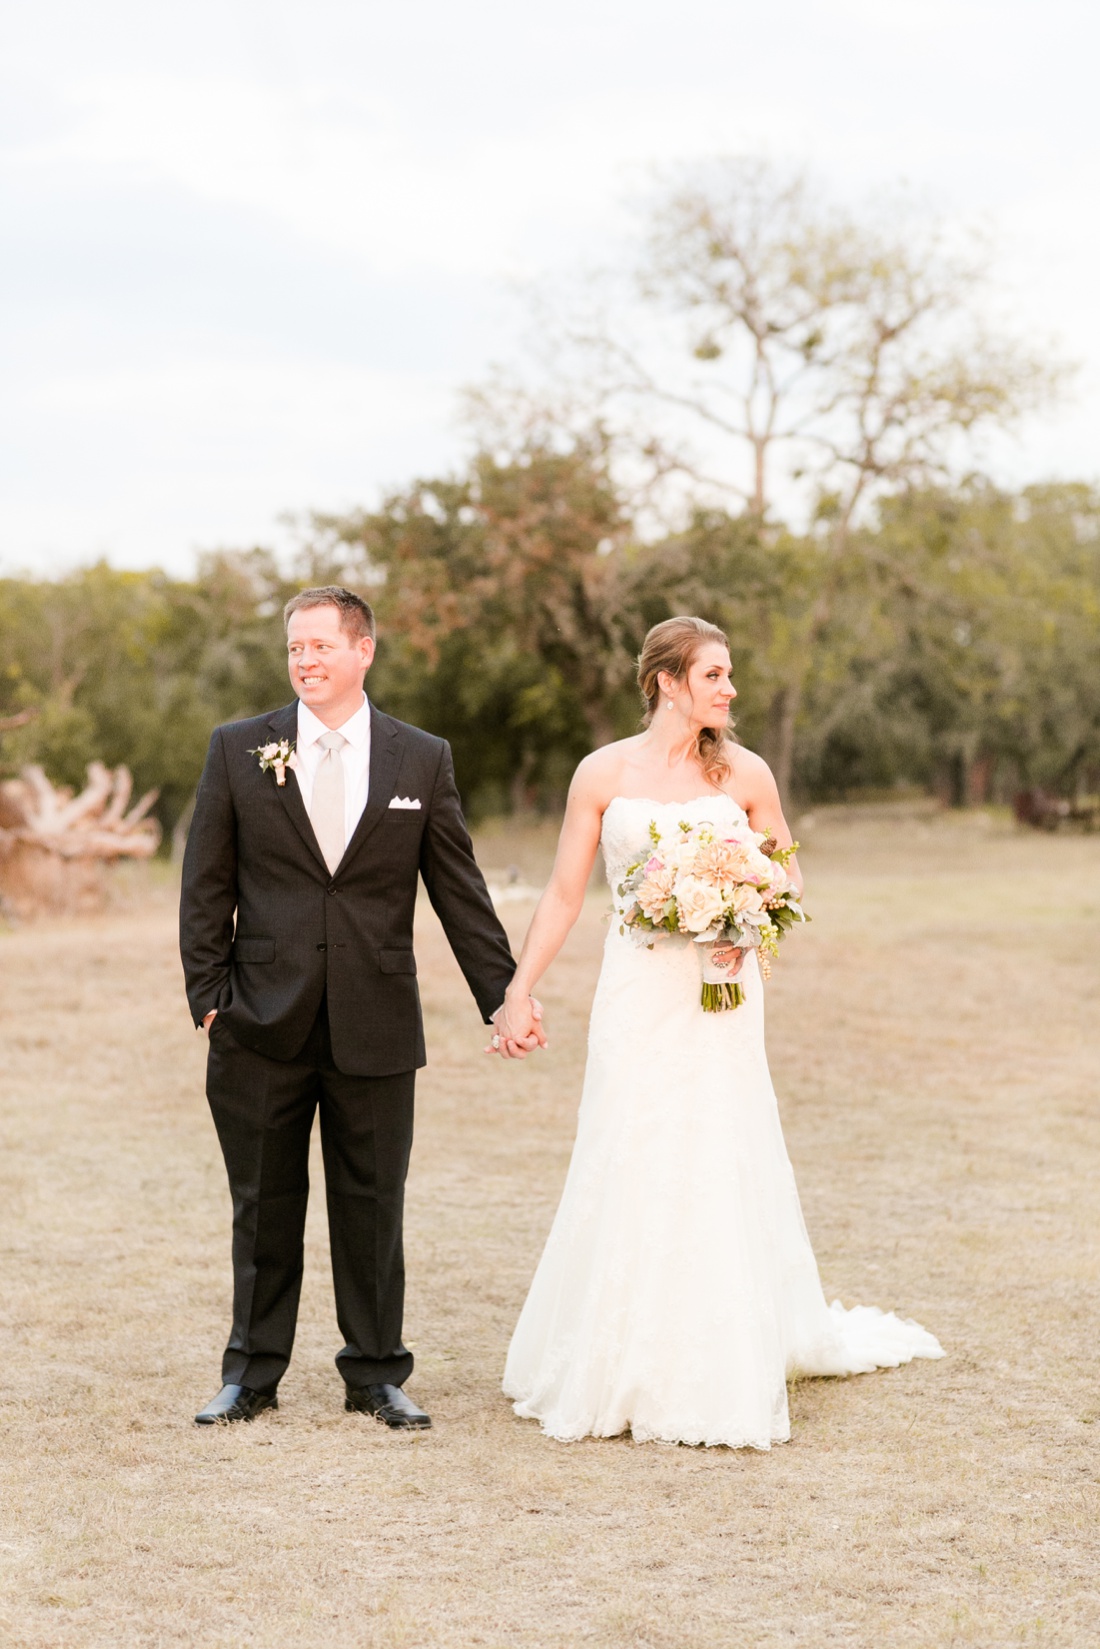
(405, 801)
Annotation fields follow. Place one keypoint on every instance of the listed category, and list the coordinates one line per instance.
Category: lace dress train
(678, 1290)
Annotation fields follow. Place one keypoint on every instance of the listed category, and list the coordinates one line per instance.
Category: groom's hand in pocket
(209, 1020)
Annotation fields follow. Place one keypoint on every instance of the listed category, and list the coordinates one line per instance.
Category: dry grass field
(935, 1042)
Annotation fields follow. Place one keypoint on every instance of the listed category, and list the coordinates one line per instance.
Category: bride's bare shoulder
(747, 761)
(751, 774)
(599, 776)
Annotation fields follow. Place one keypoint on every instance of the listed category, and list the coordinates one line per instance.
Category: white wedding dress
(678, 1290)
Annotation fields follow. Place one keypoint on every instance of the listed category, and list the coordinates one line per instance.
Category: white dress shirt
(355, 757)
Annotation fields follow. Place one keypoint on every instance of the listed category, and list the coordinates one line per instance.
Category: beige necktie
(326, 811)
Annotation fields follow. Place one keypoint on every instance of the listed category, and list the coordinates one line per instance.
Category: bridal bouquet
(728, 891)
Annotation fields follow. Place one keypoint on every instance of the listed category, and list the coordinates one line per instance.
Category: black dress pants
(263, 1111)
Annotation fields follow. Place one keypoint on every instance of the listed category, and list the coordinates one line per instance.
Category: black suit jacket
(301, 932)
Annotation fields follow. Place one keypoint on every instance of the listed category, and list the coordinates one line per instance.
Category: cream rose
(700, 904)
(747, 898)
(681, 855)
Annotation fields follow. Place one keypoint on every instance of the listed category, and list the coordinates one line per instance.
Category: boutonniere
(279, 756)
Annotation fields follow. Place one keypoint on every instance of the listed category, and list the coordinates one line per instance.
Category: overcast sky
(250, 250)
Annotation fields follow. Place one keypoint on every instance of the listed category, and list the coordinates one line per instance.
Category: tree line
(769, 414)
(960, 651)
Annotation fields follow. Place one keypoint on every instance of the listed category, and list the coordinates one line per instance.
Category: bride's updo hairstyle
(672, 647)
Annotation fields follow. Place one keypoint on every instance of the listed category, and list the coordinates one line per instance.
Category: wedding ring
(496, 1042)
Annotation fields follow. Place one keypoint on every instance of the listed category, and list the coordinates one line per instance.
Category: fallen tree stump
(8, 724)
(1045, 812)
(55, 847)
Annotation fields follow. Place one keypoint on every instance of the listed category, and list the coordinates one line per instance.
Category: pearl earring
(669, 705)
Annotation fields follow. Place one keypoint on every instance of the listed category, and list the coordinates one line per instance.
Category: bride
(678, 1291)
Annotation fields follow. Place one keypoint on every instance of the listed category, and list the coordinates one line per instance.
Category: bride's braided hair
(672, 647)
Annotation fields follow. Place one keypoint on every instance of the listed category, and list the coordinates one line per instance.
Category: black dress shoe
(388, 1404)
(235, 1403)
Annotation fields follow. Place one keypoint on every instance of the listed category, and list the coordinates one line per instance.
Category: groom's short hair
(356, 615)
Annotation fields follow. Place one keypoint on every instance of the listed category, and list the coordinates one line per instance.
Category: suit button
(330, 890)
(322, 947)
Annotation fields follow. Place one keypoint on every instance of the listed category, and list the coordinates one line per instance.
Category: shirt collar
(356, 729)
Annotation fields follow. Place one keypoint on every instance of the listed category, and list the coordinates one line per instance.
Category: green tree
(771, 347)
(136, 667)
(980, 672)
(505, 599)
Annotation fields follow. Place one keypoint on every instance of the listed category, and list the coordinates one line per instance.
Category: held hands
(518, 1032)
(517, 1028)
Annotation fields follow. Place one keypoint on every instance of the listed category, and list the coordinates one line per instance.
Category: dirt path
(940, 1102)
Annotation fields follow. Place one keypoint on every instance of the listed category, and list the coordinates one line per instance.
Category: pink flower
(655, 892)
(717, 863)
(743, 836)
(779, 881)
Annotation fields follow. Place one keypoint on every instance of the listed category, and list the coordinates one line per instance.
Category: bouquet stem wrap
(721, 988)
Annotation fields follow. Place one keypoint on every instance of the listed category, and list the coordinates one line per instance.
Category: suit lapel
(284, 724)
(385, 764)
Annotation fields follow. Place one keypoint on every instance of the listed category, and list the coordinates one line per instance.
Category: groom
(311, 829)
